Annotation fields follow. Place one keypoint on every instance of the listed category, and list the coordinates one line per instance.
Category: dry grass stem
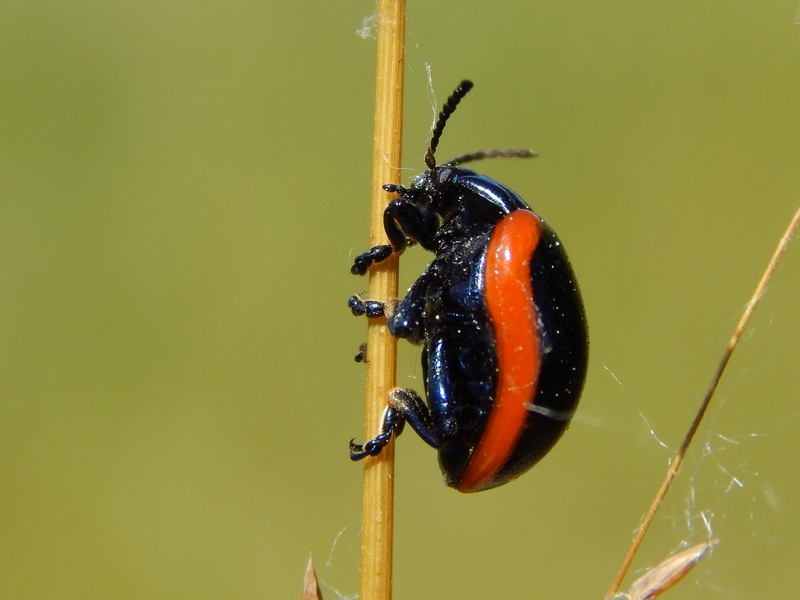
(675, 463)
(378, 498)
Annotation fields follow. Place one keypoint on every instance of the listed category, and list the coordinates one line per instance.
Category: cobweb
(720, 491)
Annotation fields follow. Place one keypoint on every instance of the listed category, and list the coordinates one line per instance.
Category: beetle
(498, 314)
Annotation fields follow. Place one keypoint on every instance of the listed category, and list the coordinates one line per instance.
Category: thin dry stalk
(675, 463)
(378, 500)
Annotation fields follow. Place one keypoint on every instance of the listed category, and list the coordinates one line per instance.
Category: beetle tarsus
(361, 357)
(370, 308)
(374, 255)
(393, 424)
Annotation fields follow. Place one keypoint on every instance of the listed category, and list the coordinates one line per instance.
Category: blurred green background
(183, 186)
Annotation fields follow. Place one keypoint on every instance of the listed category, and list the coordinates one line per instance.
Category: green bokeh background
(182, 188)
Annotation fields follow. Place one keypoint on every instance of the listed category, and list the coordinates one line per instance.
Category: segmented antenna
(447, 110)
(481, 154)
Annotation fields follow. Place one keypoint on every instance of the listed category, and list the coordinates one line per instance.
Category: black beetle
(498, 314)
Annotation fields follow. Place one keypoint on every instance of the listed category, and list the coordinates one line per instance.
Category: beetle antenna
(481, 154)
(447, 110)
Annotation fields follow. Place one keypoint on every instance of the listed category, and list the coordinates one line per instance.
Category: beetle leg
(406, 221)
(411, 408)
(376, 254)
(404, 405)
(371, 308)
(408, 319)
(361, 357)
(393, 424)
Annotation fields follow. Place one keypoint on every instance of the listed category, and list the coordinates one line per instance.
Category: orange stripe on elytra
(509, 301)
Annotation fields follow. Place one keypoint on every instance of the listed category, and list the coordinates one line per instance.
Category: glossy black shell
(445, 310)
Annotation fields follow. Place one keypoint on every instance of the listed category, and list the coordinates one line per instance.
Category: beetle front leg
(364, 261)
(405, 223)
